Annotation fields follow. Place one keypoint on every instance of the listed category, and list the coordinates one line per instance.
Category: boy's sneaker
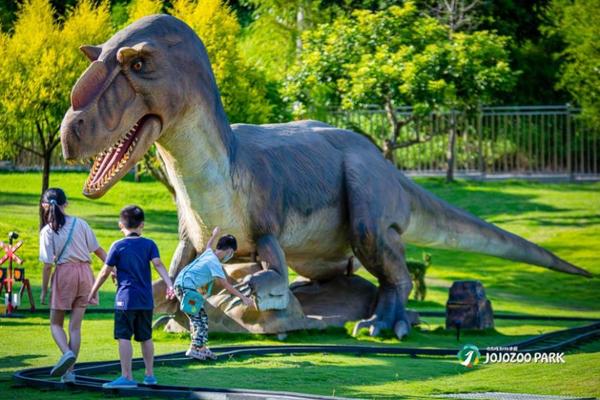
(149, 380)
(120, 383)
(68, 377)
(66, 361)
(195, 353)
(208, 354)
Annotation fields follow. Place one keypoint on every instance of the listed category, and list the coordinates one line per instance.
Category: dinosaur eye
(137, 66)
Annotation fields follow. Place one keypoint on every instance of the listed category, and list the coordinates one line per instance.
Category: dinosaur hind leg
(378, 212)
(387, 263)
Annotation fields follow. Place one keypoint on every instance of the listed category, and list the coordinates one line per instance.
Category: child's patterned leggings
(198, 323)
(199, 327)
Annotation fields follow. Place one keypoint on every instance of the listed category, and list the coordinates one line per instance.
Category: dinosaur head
(137, 84)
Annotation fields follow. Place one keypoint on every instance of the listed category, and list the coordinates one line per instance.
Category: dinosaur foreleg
(269, 286)
(184, 254)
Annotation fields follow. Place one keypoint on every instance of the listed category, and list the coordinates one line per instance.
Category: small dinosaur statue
(417, 270)
(303, 194)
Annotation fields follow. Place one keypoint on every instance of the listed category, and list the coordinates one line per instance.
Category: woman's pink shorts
(71, 286)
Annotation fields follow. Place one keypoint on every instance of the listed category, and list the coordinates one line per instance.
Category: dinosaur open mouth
(110, 162)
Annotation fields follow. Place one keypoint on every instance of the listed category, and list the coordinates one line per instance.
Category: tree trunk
(137, 173)
(388, 151)
(156, 167)
(299, 28)
(45, 182)
(451, 152)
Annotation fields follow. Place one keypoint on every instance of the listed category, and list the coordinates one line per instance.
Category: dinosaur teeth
(113, 159)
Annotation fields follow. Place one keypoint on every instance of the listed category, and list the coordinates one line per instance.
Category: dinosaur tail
(435, 223)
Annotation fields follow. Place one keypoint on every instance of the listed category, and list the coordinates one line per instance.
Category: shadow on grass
(558, 221)
(19, 199)
(32, 200)
(487, 200)
(20, 360)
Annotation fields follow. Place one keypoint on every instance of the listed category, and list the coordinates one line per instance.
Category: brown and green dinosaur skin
(303, 194)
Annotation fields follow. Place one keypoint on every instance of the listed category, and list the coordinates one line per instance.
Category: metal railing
(549, 140)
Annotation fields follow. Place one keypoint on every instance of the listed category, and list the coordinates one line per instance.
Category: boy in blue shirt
(202, 272)
(131, 256)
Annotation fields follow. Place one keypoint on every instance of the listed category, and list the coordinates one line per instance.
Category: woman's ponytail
(52, 199)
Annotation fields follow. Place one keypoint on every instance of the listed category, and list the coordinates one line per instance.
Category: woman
(66, 242)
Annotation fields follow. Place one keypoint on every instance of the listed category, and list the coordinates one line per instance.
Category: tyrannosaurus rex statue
(303, 194)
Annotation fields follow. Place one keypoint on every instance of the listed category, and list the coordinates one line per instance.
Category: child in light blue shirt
(202, 273)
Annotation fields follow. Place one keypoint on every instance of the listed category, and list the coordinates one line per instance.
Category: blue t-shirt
(201, 271)
(131, 256)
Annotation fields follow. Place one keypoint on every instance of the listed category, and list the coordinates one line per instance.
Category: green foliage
(274, 38)
(243, 89)
(40, 62)
(397, 57)
(577, 23)
(141, 8)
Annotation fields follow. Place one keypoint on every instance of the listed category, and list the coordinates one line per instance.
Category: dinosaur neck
(196, 152)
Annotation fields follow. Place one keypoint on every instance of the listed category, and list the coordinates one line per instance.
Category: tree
(141, 8)
(457, 15)
(387, 58)
(274, 39)
(576, 23)
(39, 63)
(392, 58)
(243, 90)
(478, 69)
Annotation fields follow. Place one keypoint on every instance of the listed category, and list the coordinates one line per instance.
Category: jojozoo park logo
(469, 355)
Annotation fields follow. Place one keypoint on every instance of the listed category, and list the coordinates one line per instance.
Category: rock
(467, 307)
(342, 299)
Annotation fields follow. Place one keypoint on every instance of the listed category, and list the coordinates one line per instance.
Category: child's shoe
(66, 361)
(194, 352)
(208, 354)
(68, 377)
(149, 380)
(120, 383)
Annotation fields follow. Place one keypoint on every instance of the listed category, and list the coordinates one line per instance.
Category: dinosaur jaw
(113, 163)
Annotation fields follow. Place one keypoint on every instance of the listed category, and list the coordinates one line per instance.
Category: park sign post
(8, 278)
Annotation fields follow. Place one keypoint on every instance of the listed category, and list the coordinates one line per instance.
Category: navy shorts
(136, 323)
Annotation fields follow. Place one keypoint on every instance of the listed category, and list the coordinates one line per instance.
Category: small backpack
(192, 301)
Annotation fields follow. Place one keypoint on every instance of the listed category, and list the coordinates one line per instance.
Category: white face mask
(227, 257)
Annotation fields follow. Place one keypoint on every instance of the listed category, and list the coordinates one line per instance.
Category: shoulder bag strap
(57, 259)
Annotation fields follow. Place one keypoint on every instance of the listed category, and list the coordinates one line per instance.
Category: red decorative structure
(8, 278)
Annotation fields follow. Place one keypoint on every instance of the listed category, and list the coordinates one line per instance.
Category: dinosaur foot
(389, 314)
(268, 289)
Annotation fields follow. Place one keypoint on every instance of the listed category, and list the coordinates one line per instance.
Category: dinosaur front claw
(244, 288)
(270, 290)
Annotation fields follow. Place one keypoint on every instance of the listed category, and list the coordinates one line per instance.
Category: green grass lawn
(564, 218)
